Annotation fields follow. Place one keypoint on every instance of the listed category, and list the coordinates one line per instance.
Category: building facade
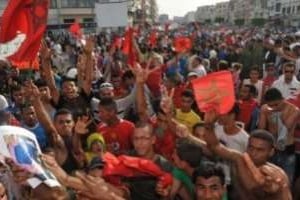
(189, 17)
(222, 12)
(205, 14)
(285, 11)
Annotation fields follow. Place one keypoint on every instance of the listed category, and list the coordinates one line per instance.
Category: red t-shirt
(268, 81)
(177, 95)
(118, 138)
(165, 141)
(154, 82)
(246, 110)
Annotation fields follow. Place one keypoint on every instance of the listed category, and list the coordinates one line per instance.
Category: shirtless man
(256, 178)
(279, 117)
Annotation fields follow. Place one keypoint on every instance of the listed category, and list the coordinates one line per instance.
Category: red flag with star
(182, 44)
(28, 18)
(214, 92)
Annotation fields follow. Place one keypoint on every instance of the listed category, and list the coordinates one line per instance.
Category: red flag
(75, 30)
(127, 166)
(128, 48)
(117, 43)
(182, 44)
(28, 18)
(215, 92)
(152, 39)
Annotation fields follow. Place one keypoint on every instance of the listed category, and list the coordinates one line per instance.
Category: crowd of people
(86, 102)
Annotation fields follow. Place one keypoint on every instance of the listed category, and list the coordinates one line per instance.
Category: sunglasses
(288, 72)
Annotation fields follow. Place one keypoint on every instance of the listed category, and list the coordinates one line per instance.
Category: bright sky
(181, 7)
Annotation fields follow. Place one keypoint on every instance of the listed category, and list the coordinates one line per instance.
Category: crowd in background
(85, 101)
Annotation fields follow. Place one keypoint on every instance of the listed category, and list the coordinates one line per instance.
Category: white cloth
(238, 142)
(199, 70)
(287, 89)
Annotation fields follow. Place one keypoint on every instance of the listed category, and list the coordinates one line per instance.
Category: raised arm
(48, 74)
(214, 144)
(44, 119)
(141, 78)
(89, 65)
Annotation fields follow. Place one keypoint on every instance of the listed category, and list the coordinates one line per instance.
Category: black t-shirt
(143, 188)
(78, 106)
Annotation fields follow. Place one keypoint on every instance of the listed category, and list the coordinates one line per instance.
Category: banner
(215, 92)
(23, 25)
(112, 14)
(21, 146)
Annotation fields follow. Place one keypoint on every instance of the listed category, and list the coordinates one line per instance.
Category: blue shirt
(39, 133)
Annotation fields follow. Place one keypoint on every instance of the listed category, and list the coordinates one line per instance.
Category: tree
(219, 19)
(208, 21)
(258, 21)
(239, 22)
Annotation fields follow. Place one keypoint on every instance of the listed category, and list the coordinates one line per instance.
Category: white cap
(3, 103)
(72, 73)
(192, 74)
(297, 34)
(292, 46)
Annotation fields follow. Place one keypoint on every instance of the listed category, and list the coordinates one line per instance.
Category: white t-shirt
(199, 70)
(238, 142)
(287, 89)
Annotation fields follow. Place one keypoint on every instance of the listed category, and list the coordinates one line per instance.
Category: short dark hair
(108, 103)
(15, 88)
(252, 89)
(207, 170)
(128, 75)
(67, 79)
(289, 64)
(25, 106)
(41, 83)
(62, 111)
(188, 93)
(141, 124)
(273, 94)
(189, 152)
(263, 135)
(255, 68)
(199, 124)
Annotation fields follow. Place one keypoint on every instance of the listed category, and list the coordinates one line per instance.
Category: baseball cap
(192, 74)
(106, 85)
(72, 73)
(95, 163)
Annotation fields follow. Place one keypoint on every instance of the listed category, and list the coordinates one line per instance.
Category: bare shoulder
(278, 170)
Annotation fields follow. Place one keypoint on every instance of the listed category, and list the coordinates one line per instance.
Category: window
(69, 21)
(283, 10)
(277, 7)
(53, 4)
(293, 10)
(288, 10)
(298, 9)
(88, 20)
(77, 3)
